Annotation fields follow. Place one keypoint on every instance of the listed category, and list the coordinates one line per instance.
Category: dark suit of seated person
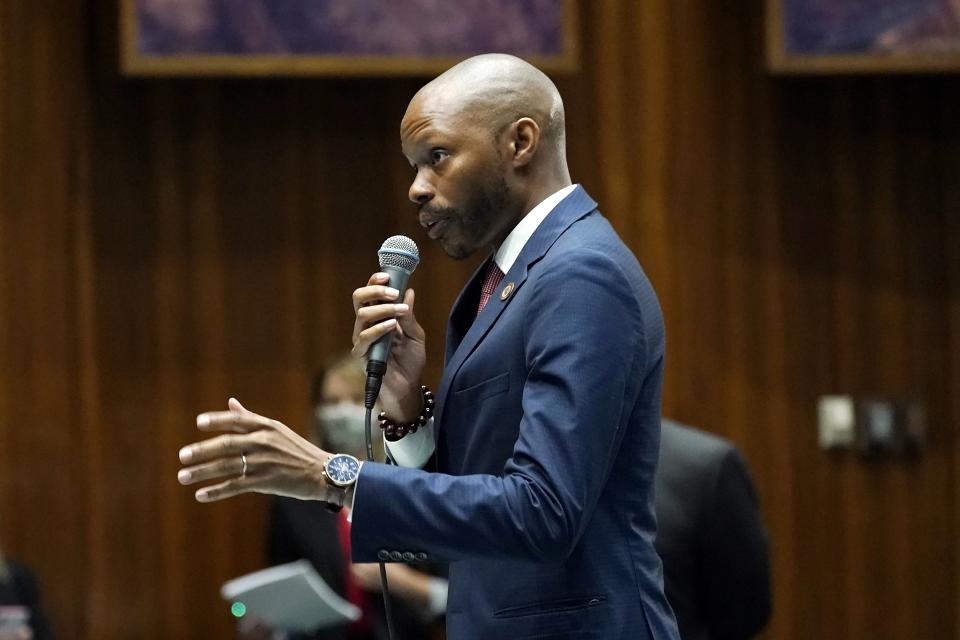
(711, 537)
(18, 588)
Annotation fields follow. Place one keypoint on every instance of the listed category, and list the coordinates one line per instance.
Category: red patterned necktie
(490, 282)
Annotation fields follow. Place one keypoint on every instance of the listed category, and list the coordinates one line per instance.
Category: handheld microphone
(399, 256)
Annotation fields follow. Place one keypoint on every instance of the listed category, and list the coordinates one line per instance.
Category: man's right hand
(378, 313)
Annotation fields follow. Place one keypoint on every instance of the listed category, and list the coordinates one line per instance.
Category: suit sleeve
(737, 601)
(584, 345)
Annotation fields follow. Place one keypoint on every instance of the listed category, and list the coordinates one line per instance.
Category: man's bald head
(496, 90)
(486, 141)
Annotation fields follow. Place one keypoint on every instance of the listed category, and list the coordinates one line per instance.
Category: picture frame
(349, 37)
(858, 37)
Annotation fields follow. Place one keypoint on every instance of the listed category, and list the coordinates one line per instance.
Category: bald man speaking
(532, 474)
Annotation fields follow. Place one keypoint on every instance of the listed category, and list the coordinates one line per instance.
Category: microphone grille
(400, 252)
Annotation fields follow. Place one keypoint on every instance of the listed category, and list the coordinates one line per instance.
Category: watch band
(336, 492)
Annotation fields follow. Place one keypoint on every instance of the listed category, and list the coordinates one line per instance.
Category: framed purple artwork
(863, 36)
(340, 37)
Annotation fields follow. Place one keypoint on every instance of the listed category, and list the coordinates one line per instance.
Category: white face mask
(341, 426)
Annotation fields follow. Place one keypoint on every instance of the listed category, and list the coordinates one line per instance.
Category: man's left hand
(256, 455)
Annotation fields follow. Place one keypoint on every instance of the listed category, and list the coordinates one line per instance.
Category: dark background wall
(167, 243)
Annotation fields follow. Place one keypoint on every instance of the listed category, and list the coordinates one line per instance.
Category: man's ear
(525, 142)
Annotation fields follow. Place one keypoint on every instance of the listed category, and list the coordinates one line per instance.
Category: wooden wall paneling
(885, 371)
(949, 155)
(166, 244)
(612, 104)
(217, 172)
(790, 165)
(39, 355)
(124, 233)
(172, 341)
(323, 316)
(648, 138)
(695, 183)
(6, 432)
(295, 240)
(844, 202)
(747, 195)
(806, 254)
(871, 216)
(735, 231)
(760, 411)
(772, 417)
(920, 258)
(6, 496)
(929, 287)
(85, 594)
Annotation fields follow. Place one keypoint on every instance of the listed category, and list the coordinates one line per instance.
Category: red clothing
(355, 593)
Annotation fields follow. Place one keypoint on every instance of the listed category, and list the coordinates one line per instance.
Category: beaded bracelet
(393, 431)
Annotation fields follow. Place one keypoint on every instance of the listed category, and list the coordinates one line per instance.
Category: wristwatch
(340, 473)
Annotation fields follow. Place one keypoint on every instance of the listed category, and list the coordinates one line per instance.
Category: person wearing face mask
(301, 529)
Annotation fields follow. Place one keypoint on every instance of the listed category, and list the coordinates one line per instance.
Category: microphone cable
(384, 587)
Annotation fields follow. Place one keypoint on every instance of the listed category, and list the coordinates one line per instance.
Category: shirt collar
(512, 246)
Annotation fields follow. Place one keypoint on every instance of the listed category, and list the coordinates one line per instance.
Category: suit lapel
(569, 210)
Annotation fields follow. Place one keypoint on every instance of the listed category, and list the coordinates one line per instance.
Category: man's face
(463, 197)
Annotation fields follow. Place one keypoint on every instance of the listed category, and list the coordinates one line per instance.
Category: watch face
(343, 469)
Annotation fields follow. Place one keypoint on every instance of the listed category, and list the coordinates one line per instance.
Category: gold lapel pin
(507, 290)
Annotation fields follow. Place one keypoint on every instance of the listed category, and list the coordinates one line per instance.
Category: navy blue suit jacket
(547, 422)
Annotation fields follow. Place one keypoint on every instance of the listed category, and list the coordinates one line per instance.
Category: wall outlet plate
(837, 422)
